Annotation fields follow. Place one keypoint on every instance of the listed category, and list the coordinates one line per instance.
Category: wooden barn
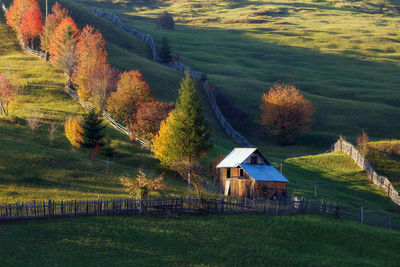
(246, 173)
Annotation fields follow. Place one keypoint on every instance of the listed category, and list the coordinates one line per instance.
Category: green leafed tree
(183, 138)
(92, 131)
(165, 51)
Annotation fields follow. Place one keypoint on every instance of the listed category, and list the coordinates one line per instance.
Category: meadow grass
(349, 184)
(230, 240)
(343, 59)
(385, 158)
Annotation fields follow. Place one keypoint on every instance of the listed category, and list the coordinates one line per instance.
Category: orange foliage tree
(52, 21)
(16, 12)
(285, 112)
(149, 117)
(7, 94)
(63, 45)
(73, 131)
(92, 59)
(132, 90)
(31, 25)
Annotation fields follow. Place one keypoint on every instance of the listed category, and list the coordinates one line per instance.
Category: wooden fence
(156, 205)
(101, 207)
(378, 180)
(197, 75)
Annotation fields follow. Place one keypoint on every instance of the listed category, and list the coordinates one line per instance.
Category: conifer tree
(92, 135)
(184, 138)
(165, 51)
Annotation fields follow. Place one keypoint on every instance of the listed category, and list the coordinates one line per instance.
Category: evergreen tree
(184, 138)
(92, 125)
(165, 52)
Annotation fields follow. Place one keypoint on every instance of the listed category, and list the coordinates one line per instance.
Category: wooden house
(246, 173)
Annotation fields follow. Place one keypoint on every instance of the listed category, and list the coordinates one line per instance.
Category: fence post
(34, 207)
(362, 215)
(336, 211)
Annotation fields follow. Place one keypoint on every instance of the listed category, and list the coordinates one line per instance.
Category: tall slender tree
(7, 94)
(93, 127)
(63, 46)
(184, 137)
(165, 51)
(31, 25)
(52, 21)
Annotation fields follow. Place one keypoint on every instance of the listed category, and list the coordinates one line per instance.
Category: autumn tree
(285, 112)
(17, 10)
(132, 90)
(7, 94)
(92, 59)
(141, 185)
(73, 131)
(31, 25)
(52, 21)
(183, 137)
(62, 46)
(104, 82)
(149, 117)
(92, 134)
(362, 140)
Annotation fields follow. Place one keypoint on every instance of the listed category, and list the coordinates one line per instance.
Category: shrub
(165, 22)
(73, 131)
(141, 185)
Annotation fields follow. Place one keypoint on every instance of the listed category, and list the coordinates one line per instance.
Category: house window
(241, 172)
(253, 160)
(228, 173)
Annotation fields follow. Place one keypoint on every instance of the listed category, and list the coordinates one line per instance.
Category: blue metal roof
(264, 173)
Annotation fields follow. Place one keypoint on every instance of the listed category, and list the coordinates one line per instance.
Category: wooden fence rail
(197, 75)
(102, 207)
(155, 205)
(378, 180)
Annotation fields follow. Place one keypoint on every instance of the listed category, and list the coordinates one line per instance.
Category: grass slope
(385, 158)
(349, 185)
(344, 60)
(31, 168)
(198, 240)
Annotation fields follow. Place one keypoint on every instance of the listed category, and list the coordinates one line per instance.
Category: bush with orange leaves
(285, 112)
(73, 131)
(141, 185)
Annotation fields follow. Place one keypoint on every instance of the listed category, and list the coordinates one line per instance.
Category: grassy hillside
(343, 58)
(193, 240)
(31, 168)
(385, 158)
(346, 183)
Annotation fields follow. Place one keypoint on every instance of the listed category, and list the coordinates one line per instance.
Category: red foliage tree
(149, 117)
(63, 45)
(7, 94)
(132, 90)
(16, 12)
(285, 112)
(31, 25)
(52, 21)
(92, 58)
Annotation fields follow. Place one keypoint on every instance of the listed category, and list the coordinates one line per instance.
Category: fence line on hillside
(378, 180)
(38, 53)
(150, 205)
(197, 75)
(100, 207)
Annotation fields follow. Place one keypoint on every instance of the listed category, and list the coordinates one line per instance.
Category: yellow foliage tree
(141, 185)
(285, 112)
(73, 131)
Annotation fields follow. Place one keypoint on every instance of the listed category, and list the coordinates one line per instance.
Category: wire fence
(378, 180)
(197, 75)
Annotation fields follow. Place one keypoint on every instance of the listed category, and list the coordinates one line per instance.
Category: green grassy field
(344, 59)
(198, 241)
(385, 158)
